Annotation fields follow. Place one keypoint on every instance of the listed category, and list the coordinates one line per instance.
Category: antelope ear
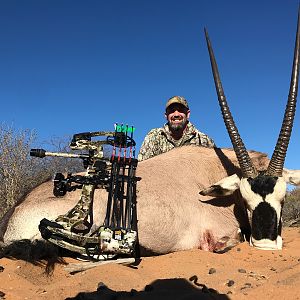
(225, 187)
(291, 176)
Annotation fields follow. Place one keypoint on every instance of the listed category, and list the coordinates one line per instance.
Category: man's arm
(149, 146)
(205, 140)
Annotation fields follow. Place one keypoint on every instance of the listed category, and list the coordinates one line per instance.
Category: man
(177, 132)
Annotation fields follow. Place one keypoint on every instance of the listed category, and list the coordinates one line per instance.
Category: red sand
(241, 273)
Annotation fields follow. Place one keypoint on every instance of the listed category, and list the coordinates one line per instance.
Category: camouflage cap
(177, 99)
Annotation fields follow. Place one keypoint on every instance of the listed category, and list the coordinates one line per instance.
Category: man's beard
(177, 126)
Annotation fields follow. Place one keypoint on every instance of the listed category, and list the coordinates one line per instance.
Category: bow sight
(73, 230)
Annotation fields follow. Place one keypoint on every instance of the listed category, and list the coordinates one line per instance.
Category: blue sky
(70, 66)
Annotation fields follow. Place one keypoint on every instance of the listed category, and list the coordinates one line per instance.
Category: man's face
(177, 116)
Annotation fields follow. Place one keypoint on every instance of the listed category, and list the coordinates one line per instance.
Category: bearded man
(177, 132)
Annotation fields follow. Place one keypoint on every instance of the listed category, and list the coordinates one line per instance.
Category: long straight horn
(277, 161)
(247, 168)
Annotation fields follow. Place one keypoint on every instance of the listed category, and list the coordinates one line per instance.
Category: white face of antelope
(264, 196)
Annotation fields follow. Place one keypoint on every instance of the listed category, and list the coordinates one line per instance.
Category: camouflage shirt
(159, 140)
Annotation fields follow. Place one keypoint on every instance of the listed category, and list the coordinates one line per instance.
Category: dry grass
(20, 173)
(291, 208)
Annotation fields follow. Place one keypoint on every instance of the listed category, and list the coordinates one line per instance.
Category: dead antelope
(172, 215)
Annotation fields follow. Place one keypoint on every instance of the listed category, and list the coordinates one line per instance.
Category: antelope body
(172, 215)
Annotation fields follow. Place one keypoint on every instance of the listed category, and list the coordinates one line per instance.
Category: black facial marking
(263, 184)
(264, 222)
(280, 221)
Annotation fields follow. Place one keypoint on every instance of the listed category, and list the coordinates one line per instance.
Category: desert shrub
(291, 208)
(20, 173)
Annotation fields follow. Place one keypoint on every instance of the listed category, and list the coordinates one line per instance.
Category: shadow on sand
(161, 289)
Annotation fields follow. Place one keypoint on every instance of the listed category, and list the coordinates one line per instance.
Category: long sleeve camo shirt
(159, 140)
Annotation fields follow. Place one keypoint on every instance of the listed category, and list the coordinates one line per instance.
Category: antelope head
(262, 191)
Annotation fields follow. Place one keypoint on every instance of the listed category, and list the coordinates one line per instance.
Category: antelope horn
(277, 161)
(247, 168)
